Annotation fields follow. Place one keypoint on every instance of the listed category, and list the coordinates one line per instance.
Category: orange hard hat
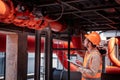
(94, 37)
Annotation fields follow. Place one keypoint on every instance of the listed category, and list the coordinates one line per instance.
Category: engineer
(92, 64)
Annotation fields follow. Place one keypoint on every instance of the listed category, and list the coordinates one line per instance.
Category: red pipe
(2, 43)
(63, 59)
(111, 51)
(62, 55)
(4, 9)
(55, 25)
(113, 69)
(31, 44)
(31, 48)
(77, 41)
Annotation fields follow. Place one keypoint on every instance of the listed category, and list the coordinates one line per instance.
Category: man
(92, 65)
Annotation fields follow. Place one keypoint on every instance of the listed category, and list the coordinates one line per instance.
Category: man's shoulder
(95, 53)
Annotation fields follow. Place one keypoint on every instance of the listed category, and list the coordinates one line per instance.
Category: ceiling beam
(64, 3)
(85, 19)
(76, 10)
(59, 2)
(107, 19)
(89, 19)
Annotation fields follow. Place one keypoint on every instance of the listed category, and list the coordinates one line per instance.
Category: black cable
(49, 21)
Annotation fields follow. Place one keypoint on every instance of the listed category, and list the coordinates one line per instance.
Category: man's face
(86, 43)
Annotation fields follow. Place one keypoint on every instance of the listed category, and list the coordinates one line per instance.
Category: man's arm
(94, 65)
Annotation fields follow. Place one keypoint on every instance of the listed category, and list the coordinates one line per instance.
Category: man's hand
(78, 62)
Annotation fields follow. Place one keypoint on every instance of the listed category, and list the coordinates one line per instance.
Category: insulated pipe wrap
(4, 9)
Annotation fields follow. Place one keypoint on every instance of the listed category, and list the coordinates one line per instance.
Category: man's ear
(89, 44)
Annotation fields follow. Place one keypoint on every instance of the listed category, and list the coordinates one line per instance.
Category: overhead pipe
(10, 14)
(4, 9)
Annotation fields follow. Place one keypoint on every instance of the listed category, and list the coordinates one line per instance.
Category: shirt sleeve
(94, 65)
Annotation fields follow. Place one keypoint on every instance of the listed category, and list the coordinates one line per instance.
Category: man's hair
(93, 45)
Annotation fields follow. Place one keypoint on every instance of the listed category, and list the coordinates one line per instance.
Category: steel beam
(107, 19)
(69, 40)
(85, 19)
(53, 4)
(48, 54)
(84, 10)
(22, 56)
(76, 14)
(37, 55)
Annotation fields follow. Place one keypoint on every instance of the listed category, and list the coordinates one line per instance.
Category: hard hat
(94, 37)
